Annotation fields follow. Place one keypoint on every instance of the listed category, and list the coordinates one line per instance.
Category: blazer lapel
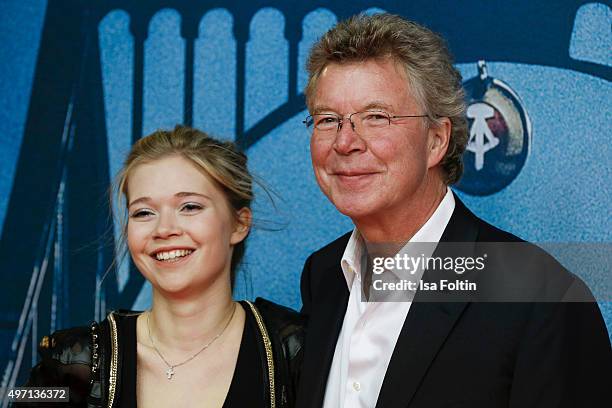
(327, 315)
(426, 327)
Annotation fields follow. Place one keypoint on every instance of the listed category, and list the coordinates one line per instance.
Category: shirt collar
(431, 231)
(351, 259)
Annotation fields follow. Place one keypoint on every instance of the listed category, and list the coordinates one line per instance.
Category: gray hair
(434, 81)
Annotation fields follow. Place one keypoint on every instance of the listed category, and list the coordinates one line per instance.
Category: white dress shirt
(370, 329)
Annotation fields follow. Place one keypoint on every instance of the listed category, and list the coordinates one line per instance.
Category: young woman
(188, 200)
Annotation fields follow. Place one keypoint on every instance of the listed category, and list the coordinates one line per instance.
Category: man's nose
(347, 140)
(167, 226)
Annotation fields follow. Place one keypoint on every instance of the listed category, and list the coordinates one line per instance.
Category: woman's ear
(242, 226)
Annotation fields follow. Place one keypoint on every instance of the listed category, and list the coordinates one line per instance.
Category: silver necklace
(170, 371)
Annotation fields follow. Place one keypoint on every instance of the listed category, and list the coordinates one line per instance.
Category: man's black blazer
(466, 354)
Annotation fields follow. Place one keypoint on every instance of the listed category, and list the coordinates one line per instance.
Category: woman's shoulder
(283, 324)
(76, 356)
(286, 329)
(279, 316)
(65, 360)
(121, 318)
(73, 345)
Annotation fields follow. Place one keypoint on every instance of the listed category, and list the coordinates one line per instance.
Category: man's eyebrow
(373, 105)
(377, 105)
(322, 108)
(179, 195)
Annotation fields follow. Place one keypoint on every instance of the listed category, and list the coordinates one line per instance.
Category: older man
(388, 131)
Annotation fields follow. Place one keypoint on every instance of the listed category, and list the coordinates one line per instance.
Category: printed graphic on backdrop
(499, 135)
(122, 69)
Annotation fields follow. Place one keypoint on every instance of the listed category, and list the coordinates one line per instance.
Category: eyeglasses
(369, 120)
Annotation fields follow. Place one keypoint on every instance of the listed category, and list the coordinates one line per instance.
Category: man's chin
(355, 208)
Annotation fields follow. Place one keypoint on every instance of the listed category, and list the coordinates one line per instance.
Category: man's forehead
(346, 66)
(371, 84)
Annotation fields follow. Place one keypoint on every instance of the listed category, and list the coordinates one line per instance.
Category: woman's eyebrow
(140, 200)
(179, 195)
(190, 193)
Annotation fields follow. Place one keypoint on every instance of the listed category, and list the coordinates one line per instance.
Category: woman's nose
(167, 226)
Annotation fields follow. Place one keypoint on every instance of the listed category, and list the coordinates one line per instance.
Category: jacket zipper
(269, 355)
(112, 383)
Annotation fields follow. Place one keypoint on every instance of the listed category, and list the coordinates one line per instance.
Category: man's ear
(438, 138)
(242, 226)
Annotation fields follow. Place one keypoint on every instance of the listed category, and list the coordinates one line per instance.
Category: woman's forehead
(169, 176)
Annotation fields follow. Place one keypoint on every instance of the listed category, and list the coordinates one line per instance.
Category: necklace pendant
(170, 372)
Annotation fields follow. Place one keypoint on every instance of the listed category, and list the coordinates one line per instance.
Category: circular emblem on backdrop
(499, 135)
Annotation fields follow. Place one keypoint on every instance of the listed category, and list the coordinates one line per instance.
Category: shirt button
(356, 386)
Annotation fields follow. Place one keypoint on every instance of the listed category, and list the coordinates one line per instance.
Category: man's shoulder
(323, 265)
(490, 233)
(464, 219)
(522, 264)
(332, 251)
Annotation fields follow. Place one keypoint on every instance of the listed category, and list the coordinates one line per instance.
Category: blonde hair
(435, 83)
(221, 161)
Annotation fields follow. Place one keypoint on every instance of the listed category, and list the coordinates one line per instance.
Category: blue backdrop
(81, 82)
